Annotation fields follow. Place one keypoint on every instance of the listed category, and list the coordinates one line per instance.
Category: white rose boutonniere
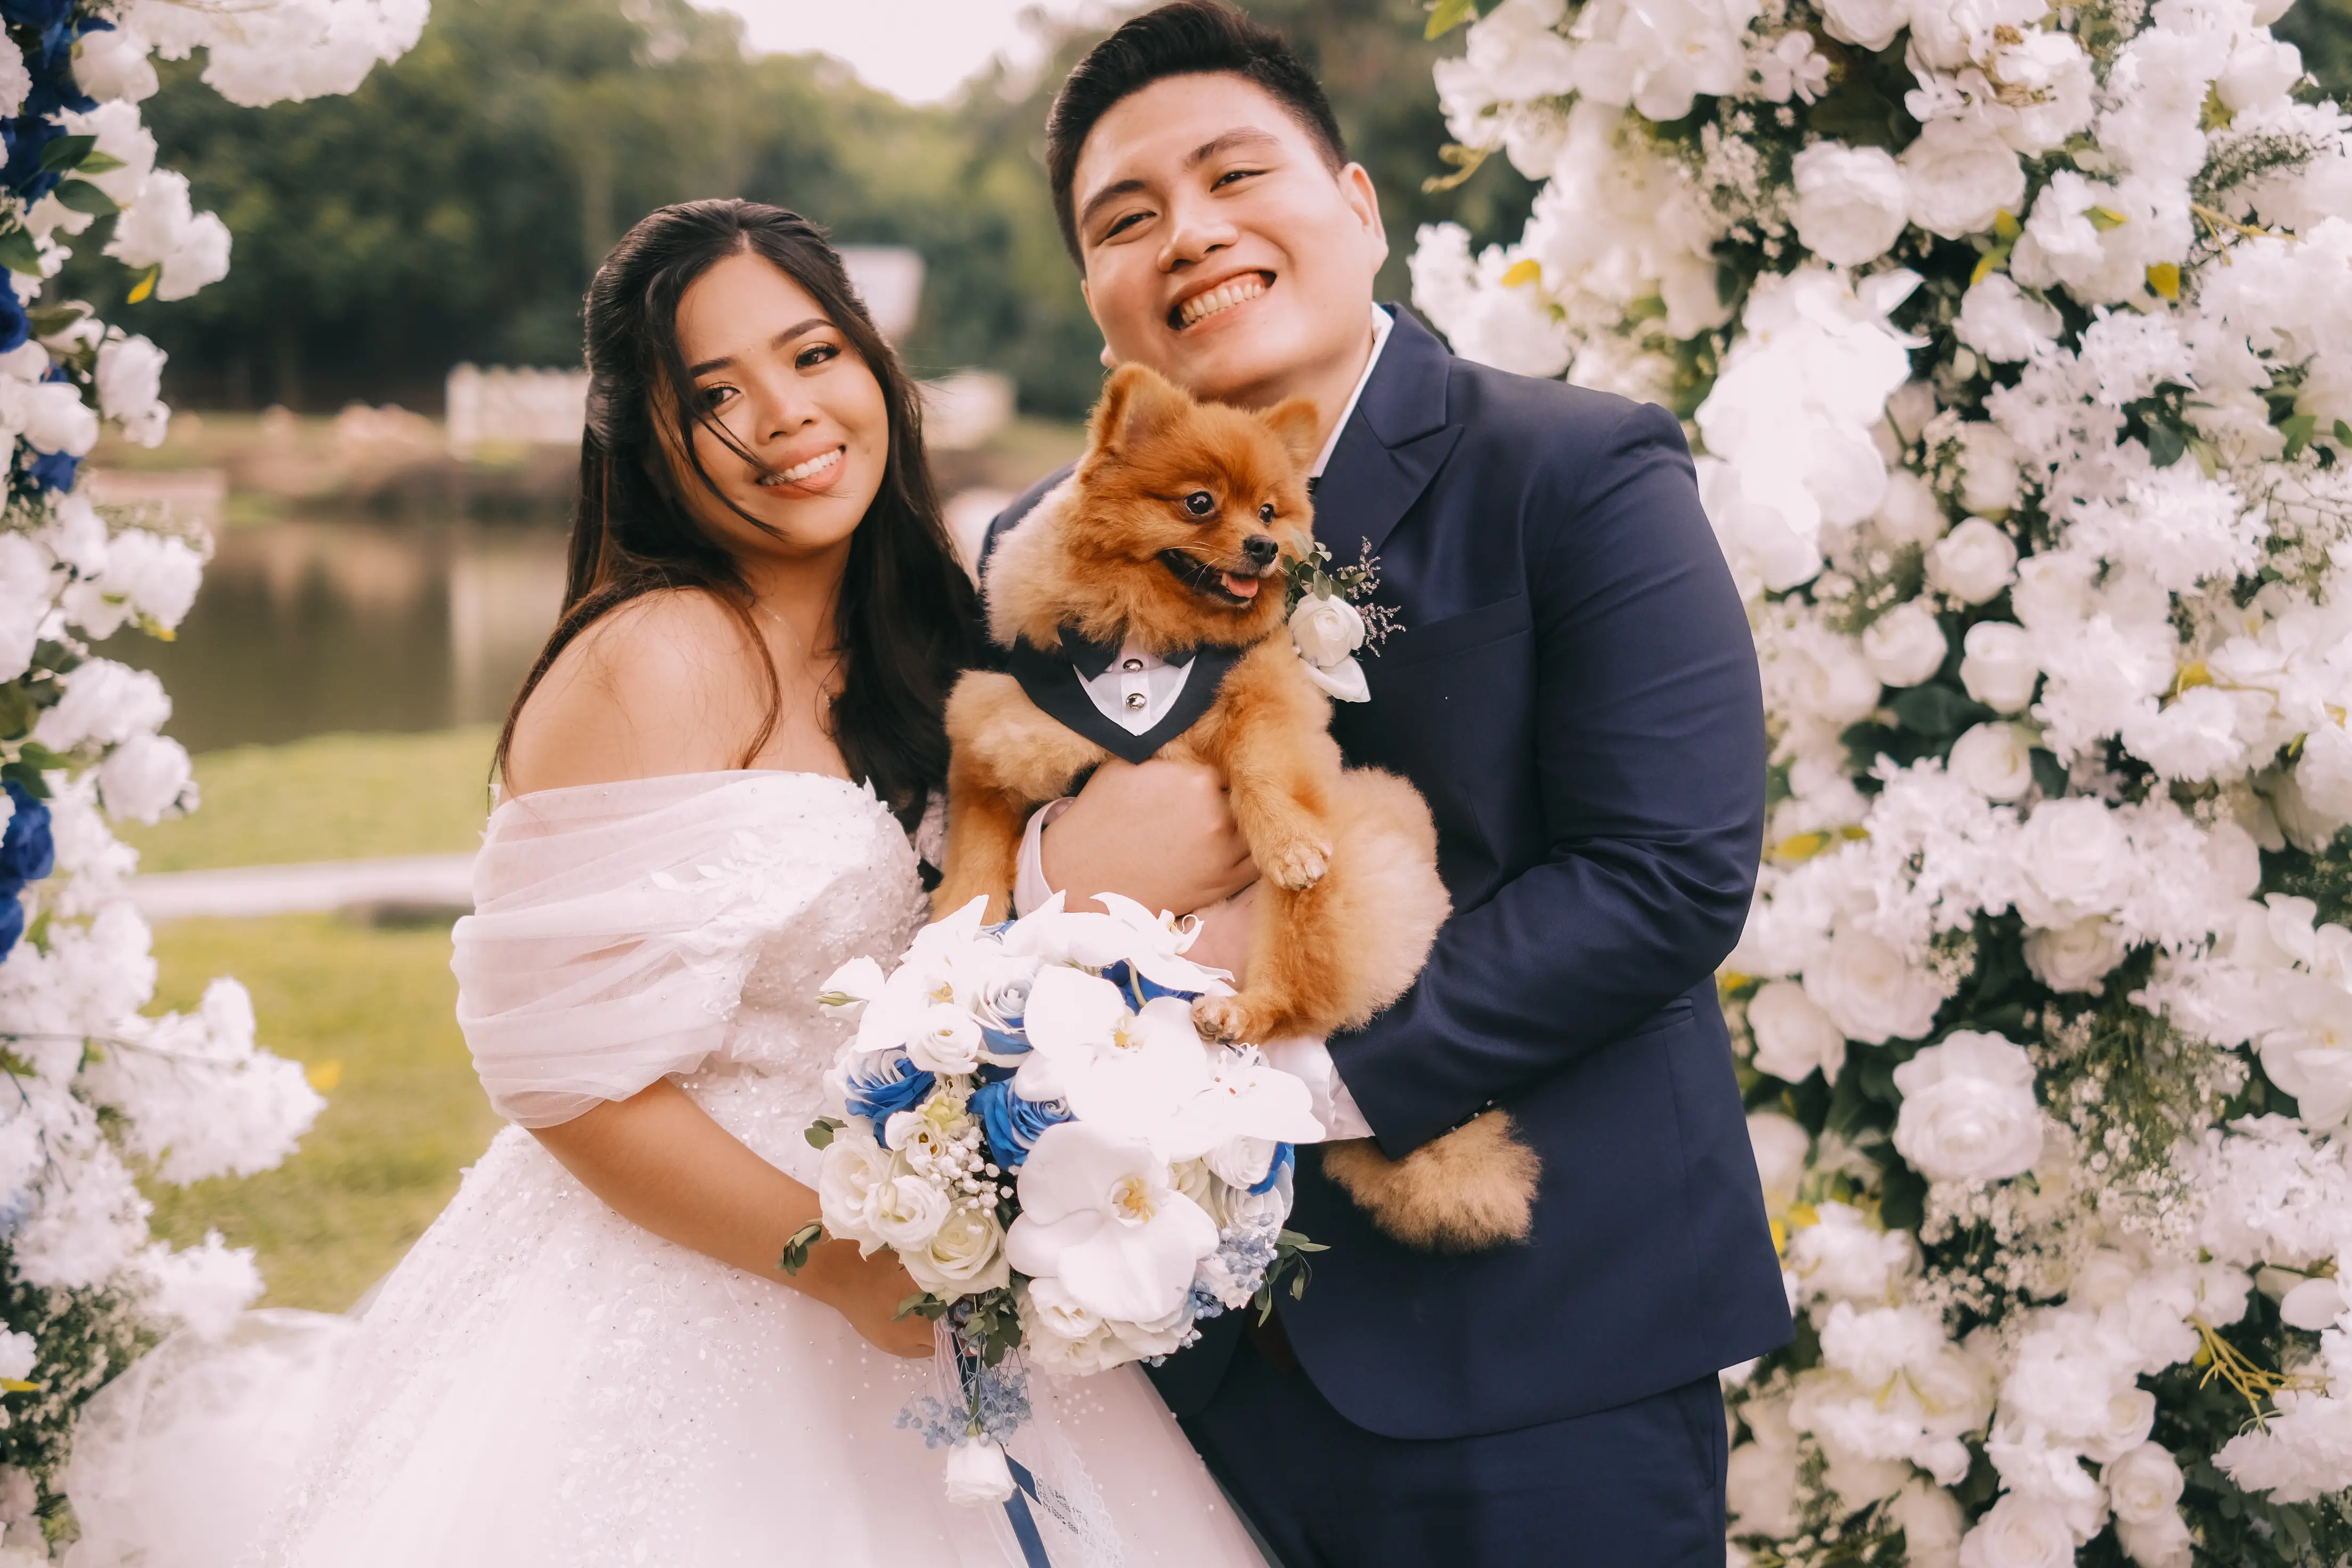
(1327, 632)
(1332, 617)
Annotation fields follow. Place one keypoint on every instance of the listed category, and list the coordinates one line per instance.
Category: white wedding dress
(543, 1383)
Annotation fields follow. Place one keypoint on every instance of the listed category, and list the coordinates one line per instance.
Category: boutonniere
(1333, 618)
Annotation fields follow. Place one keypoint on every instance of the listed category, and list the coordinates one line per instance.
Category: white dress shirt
(1135, 693)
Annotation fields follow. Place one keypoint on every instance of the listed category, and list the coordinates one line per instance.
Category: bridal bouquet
(1029, 1119)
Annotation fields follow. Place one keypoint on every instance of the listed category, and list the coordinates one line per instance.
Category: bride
(712, 777)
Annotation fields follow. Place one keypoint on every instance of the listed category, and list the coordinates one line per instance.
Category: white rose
(1780, 1146)
(1960, 176)
(1904, 646)
(948, 1042)
(1974, 561)
(2126, 1420)
(2260, 73)
(964, 1257)
(1870, 990)
(2074, 957)
(145, 777)
(1326, 630)
(2143, 1484)
(2020, 1533)
(977, 1474)
(17, 1353)
(105, 703)
(1931, 1522)
(2001, 322)
(112, 64)
(1994, 760)
(56, 419)
(1873, 24)
(852, 1166)
(1997, 666)
(130, 388)
(2161, 1542)
(1793, 1037)
(155, 576)
(906, 1211)
(1909, 512)
(2077, 860)
(1850, 202)
(1968, 1112)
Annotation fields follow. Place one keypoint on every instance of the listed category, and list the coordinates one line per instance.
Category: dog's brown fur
(1351, 899)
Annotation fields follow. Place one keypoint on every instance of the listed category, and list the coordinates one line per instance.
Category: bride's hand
(868, 1291)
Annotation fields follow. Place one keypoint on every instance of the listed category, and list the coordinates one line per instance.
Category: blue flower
(40, 14)
(15, 326)
(1285, 1156)
(1013, 1124)
(27, 852)
(53, 470)
(877, 1096)
(12, 915)
(25, 137)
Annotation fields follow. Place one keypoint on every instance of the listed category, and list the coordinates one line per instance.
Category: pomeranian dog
(1168, 536)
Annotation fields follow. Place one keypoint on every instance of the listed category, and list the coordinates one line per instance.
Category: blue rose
(53, 470)
(1013, 1124)
(896, 1085)
(27, 851)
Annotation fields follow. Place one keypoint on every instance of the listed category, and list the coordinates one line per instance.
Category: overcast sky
(918, 50)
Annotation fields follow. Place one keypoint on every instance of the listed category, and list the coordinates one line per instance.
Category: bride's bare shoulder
(664, 684)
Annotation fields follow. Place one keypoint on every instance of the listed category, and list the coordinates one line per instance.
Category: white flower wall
(2015, 344)
(92, 1088)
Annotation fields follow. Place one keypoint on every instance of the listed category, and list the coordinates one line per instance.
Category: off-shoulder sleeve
(613, 925)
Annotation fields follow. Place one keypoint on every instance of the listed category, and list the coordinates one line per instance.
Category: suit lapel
(1393, 447)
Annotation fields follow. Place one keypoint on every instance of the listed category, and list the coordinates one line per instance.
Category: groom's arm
(1649, 740)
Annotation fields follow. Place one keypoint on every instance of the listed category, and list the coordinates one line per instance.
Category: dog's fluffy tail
(1472, 1189)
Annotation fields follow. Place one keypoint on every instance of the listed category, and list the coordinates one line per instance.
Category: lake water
(306, 627)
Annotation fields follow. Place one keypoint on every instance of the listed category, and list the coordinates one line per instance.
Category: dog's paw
(1299, 864)
(1221, 1018)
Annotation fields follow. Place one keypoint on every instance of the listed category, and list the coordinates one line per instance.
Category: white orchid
(1101, 1217)
(1126, 1068)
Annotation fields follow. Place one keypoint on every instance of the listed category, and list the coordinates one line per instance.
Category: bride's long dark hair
(907, 620)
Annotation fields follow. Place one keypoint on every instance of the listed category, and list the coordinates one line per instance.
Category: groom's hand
(1160, 832)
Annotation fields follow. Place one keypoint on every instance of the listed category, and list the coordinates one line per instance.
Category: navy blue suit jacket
(1575, 692)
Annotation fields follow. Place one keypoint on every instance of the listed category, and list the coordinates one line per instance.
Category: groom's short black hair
(1186, 38)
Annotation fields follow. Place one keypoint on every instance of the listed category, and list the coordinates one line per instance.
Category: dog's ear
(1297, 424)
(1136, 404)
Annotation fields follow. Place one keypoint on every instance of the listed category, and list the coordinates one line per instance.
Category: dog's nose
(1261, 549)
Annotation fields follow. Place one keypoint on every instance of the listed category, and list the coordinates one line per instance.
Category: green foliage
(2321, 29)
(86, 1337)
(454, 207)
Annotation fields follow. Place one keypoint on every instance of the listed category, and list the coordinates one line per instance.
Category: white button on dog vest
(1132, 664)
(1137, 700)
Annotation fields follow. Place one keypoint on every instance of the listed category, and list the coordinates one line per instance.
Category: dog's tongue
(1241, 587)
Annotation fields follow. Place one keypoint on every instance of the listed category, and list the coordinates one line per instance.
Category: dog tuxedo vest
(1056, 682)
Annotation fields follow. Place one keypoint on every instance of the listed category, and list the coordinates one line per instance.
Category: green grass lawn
(369, 1012)
(334, 797)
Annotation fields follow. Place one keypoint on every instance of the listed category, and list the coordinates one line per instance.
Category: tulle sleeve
(613, 925)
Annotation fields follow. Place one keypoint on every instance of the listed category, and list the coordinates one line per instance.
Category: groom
(1575, 692)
